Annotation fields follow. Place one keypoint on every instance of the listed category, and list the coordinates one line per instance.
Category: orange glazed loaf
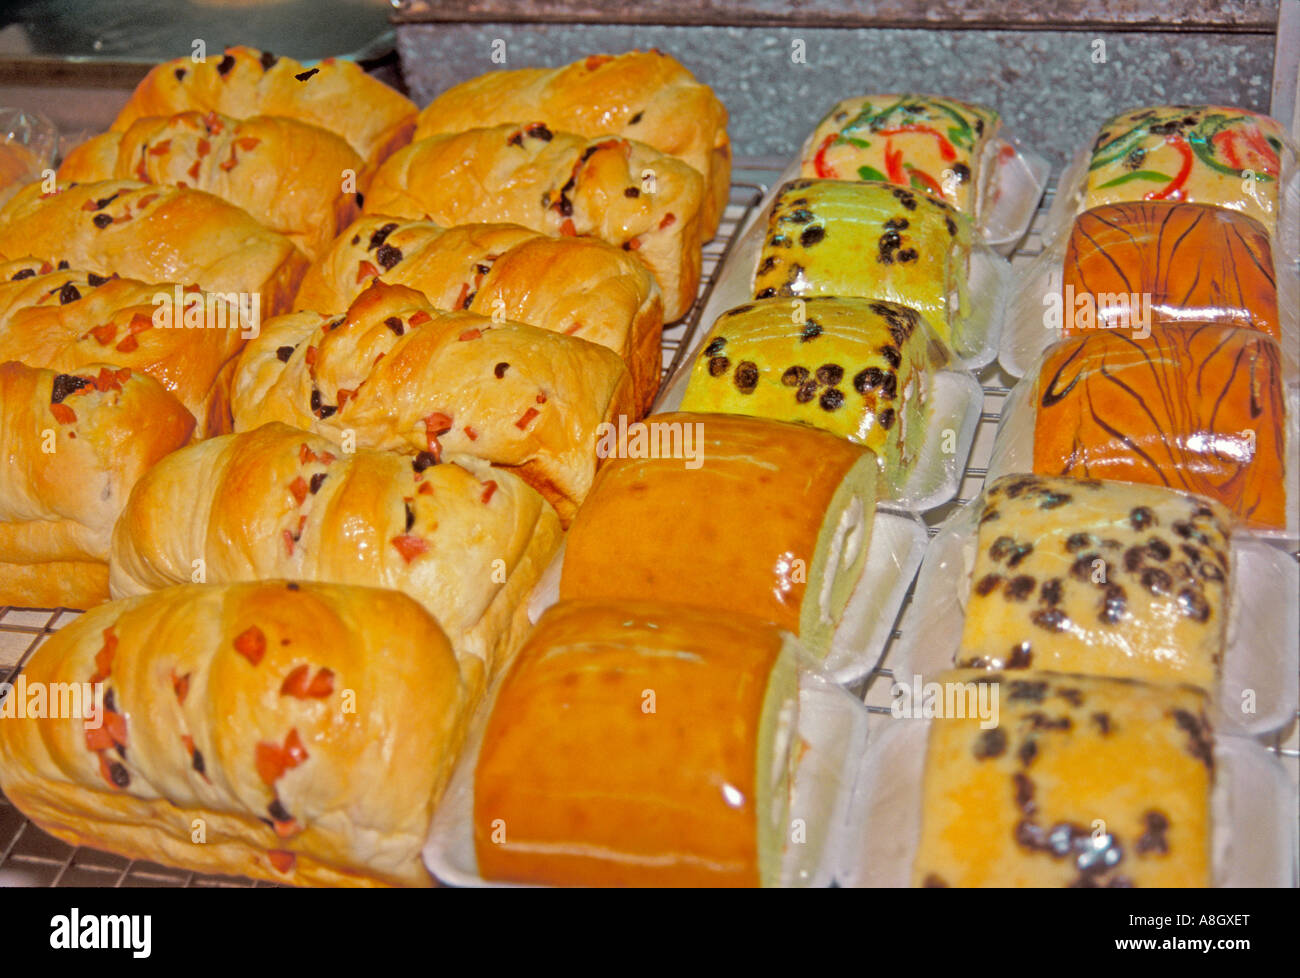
(1193, 407)
(1019, 804)
(1196, 262)
(636, 744)
(773, 518)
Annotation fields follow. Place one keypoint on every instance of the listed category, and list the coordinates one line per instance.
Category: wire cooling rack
(30, 857)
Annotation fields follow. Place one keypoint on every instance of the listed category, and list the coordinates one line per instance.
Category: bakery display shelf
(30, 857)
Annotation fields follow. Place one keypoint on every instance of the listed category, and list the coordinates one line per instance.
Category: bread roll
(856, 368)
(933, 144)
(398, 375)
(287, 174)
(1099, 578)
(579, 286)
(1079, 782)
(638, 744)
(465, 540)
(763, 516)
(643, 95)
(1149, 263)
(1193, 407)
(154, 234)
(559, 183)
(336, 95)
(74, 445)
(1194, 153)
(67, 319)
(299, 733)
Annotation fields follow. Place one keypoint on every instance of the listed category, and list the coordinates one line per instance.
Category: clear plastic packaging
(28, 144)
(894, 554)
(972, 329)
(826, 751)
(1243, 404)
(1259, 681)
(1253, 811)
(1138, 267)
(950, 398)
(1204, 154)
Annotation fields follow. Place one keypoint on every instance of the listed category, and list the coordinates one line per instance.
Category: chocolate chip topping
(1154, 838)
(868, 379)
(388, 256)
(1192, 603)
(806, 392)
(1051, 619)
(65, 384)
(831, 399)
(283, 353)
(1019, 588)
(985, 585)
(225, 64)
(316, 481)
(1113, 604)
(746, 376)
(23, 273)
(794, 376)
(102, 221)
(812, 235)
(68, 294)
(830, 374)
(423, 460)
(304, 75)
(380, 236)
(886, 418)
(715, 346)
(718, 366)
(990, 744)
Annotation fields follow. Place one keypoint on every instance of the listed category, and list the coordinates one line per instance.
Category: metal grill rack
(30, 857)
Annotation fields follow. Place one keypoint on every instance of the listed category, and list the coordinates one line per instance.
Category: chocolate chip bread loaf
(1099, 578)
(857, 368)
(873, 240)
(1082, 782)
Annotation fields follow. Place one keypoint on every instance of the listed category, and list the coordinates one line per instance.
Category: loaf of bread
(639, 744)
(936, 145)
(724, 512)
(154, 234)
(465, 540)
(1153, 262)
(559, 183)
(1196, 407)
(1196, 153)
(1101, 579)
(1074, 781)
(299, 733)
(67, 319)
(287, 174)
(872, 240)
(648, 96)
(396, 374)
(336, 95)
(74, 444)
(579, 286)
(857, 368)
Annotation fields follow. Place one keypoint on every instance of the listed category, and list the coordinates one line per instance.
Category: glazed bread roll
(287, 174)
(465, 540)
(933, 144)
(765, 516)
(579, 286)
(872, 240)
(1196, 407)
(67, 319)
(1194, 153)
(18, 164)
(1099, 578)
(1018, 803)
(398, 375)
(305, 730)
(74, 445)
(155, 234)
(857, 368)
(579, 783)
(648, 96)
(559, 183)
(336, 95)
(1177, 262)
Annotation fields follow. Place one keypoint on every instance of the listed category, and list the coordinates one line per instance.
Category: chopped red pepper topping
(281, 860)
(302, 685)
(420, 317)
(568, 229)
(1173, 189)
(63, 414)
(104, 334)
(365, 271)
(181, 685)
(161, 149)
(299, 489)
(528, 416)
(288, 542)
(425, 489)
(98, 738)
(573, 329)
(594, 61)
(435, 424)
(667, 221)
(489, 488)
(104, 657)
(824, 169)
(205, 147)
(464, 294)
(247, 142)
(128, 345)
(310, 356)
(193, 170)
(410, 546)
(213, 123)
(273, 760)
(251, 644)
(469, 334)
(470, 433)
